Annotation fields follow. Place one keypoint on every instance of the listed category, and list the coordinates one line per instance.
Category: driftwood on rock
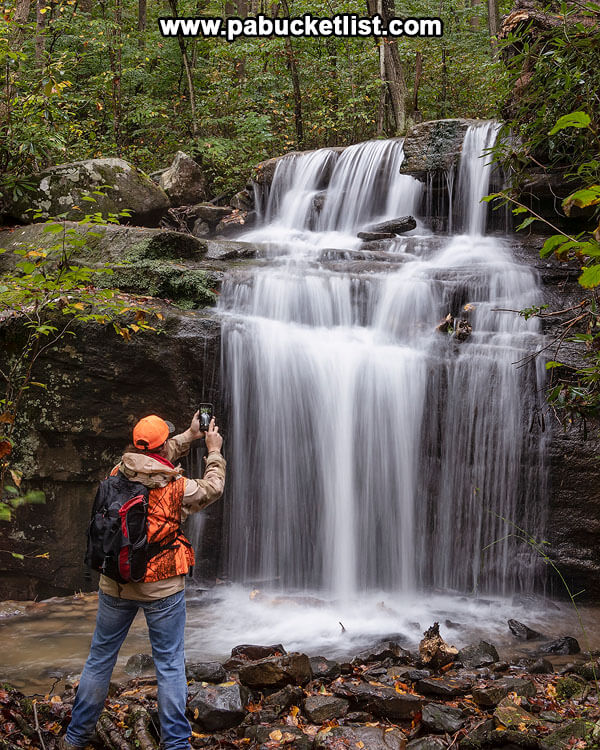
(110, 733)
(141, 722)
(434, 650)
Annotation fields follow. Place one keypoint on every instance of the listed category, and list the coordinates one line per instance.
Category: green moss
(189, 289)
(567, 687)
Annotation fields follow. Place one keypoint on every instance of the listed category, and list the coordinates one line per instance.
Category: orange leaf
(5, 448)
(7, 418)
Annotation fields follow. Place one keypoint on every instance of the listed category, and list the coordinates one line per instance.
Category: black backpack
(117, 541)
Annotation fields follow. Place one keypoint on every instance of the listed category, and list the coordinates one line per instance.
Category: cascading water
(369, 451)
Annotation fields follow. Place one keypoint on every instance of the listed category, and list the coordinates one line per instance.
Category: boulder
(208, 671)
(230, 250)
(434, 145)
(322, 708)
(184, 181)
(523, 632)
(251, 652)
(427, 743)
(244, 200)
(390, 228)
(541, 666)
(509, 715)
(480, 655)
(209, 213)
(488, 696)
(278, 735)
(384, 650)
(564, 645)
(437, 717)
(375, 236)
(217, 707)
(61, 190)
(566, 736)
(276, 671)
(283, 699)
(371, 738)
(235, 223)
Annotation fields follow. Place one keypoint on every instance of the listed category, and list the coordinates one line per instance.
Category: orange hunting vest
(164, 521)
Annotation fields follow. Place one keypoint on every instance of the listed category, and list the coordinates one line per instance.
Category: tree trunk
(493, 24)
(85, 6)
(40, 24)
(418, 73)
(142, 20)
(297, 92)
(188, 71)
(20, 17)
(475, 19)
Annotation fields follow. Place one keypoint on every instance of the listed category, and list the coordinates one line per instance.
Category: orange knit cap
(151, 432)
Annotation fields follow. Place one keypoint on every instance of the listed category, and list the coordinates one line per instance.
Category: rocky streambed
(385, 698)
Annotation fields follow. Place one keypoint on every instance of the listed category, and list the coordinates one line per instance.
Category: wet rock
(427, 743)
(462, 330)
(533, 602)
(276, 671)
(434, 650)
(374, 236)
(518, 685)
(566, 736)
(228, 250)
(500, 666)
(384, 650)
(589, 671)
(372, 738)
(280, 701)
(323, 668)
(184, 181)
(414, 675)
(434, 145)
(381, 701)
(445, 687)
(251, 652)
(139, 664)
(209, 671)
(218, 706)
(358, 717)
(477, 738)
(541, 666)
(523, 632)
(321, 708)
(564, 645)
(508, 714)
(479, 655)
(201, 229)
(392, 226)
(278, 736)
(209, 213)
(59, 190)
(488, 696)
(437, 717)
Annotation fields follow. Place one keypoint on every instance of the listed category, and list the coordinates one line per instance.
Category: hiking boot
(64, 744)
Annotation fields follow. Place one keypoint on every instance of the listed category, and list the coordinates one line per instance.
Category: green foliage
(49, 293)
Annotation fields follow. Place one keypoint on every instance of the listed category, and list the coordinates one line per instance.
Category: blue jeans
(166, 621)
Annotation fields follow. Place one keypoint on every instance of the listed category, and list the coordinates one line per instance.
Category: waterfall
(369, 451)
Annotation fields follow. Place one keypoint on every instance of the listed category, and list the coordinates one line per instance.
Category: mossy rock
(434, 145)
(62, 190)
(188, 288)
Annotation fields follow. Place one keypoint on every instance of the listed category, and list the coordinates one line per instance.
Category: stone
(381, 700)
(372, 738)
(564, 645)
(427, 743)
(479, 655)
(139, 664)
(60, 190)
(229, 250)
(208, 671)
(184, 181)
(523, 632)
(251, 652)
(209, 213)
(564, 737)
(383, 650)
(374, 236)
(281, 700)
(445, 687)
(414, 675)
(488, 696)
(276, 671)
(541, 666)
(201, 229)
(321, 708)
(437, 717)
(217, 707)
(323, 668)
(278, 735)
(434, 145)
(589, 671)
(391, 226)
(434, 650)
(509, 715)
(519, 685)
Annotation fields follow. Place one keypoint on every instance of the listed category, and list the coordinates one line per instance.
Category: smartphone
(206, 412)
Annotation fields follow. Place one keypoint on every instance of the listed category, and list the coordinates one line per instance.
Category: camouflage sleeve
(199, 493)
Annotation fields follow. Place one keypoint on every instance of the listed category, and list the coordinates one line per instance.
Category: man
(161, 593)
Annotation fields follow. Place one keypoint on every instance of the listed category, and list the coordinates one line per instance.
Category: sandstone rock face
(61, 189)
(434, 145)
(184, 181)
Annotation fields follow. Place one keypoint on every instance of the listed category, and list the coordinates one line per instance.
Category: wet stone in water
(276, 671)
(324, 668)
(523, 632)
(139, 664)
(480, 655)
(564, 645)
(210, 671)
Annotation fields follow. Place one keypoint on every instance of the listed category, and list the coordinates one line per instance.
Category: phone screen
(206, 412)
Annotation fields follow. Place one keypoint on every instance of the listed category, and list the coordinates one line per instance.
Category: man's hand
(214, 441)
(195, 431)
